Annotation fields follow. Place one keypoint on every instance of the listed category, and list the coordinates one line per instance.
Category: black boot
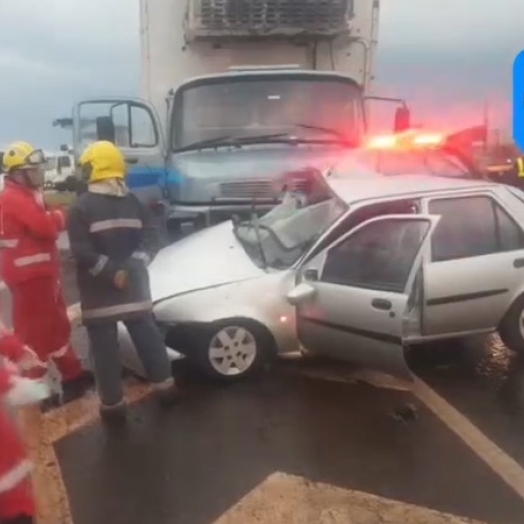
(167, 394)
(114, 415)
(77, 387)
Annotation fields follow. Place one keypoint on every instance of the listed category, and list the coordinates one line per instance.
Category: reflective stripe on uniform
(120, 309)
(104, 225)
(14, 476)
(32, 259)
(99, 266)
(60, 352)
(12, 242)
(141, 255)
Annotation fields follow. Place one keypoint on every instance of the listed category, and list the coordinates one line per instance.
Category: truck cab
(236, 98)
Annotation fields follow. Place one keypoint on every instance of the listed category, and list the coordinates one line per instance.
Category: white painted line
(289, 498)
(73, 312)
(508, 469)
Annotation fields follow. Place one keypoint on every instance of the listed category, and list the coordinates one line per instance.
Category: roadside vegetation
(59, 199)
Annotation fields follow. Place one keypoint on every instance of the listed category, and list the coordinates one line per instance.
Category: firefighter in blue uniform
(108, 230)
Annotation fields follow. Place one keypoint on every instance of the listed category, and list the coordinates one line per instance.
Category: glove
(121, 279)
(25, 391)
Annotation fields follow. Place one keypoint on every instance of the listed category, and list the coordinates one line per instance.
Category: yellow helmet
(21, 155)
(102, 160)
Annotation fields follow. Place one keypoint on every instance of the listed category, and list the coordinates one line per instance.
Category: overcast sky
(436, 53)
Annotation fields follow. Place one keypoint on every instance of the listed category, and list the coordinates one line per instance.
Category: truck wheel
(511, 329)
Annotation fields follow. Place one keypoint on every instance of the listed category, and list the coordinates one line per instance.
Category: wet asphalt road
(192, 464)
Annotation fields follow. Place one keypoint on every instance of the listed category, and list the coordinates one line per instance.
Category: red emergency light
(406, 140)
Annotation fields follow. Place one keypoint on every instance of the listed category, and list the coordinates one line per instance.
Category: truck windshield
(305, 108)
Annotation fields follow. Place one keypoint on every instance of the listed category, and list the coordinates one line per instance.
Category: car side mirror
(300, 293)
(402, 119)
(311, 275)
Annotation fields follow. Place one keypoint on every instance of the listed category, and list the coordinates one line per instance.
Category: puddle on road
(482, 362)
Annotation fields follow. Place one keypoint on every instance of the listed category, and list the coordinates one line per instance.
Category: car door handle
(381, 303)
(518, 263)
(132, 160)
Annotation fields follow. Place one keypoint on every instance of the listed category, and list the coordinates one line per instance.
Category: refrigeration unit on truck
(236, 93)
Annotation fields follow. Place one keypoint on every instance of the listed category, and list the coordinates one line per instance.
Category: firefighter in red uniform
(17, 505)
(30, 266)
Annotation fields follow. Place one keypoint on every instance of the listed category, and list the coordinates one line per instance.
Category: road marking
(503, 465)
(73, 313)
(41, 431)
(508, 469)
(83, 412)
(51, 495)
(288, 498)
(71, 417)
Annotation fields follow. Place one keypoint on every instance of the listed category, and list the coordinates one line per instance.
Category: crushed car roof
(351, 189)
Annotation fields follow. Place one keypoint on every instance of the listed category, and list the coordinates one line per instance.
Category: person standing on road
(30, 266)
(514, 176)
(17, 504)
(108, 232)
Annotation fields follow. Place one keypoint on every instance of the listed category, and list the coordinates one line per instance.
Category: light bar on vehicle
(405, 140)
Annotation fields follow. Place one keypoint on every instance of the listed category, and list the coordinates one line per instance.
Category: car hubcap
(232, 351)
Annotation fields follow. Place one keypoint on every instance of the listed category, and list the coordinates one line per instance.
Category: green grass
(55, 199)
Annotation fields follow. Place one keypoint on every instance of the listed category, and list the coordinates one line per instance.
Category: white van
(59, 167)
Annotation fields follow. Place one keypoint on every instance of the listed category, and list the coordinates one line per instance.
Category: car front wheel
(511, 329)
(232, 350)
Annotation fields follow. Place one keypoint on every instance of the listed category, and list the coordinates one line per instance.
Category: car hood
(208, 258)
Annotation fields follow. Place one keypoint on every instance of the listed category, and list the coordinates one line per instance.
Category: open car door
(353, 298)
(133, 125)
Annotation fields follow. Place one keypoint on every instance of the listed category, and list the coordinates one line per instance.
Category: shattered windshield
(284, 234)
(308, 108)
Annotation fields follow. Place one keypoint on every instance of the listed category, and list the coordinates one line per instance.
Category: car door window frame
(347, 222)
(496, 204)
(318, 262)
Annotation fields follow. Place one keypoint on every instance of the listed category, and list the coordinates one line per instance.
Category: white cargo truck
(235, 94)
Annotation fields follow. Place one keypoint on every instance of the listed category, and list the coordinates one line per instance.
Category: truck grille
(266, 189)
(269, 15)
(247, 189)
